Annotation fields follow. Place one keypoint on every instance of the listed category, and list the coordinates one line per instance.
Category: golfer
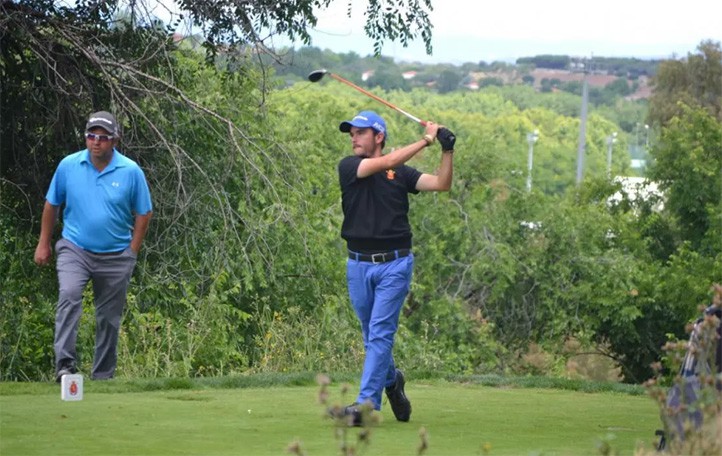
(374, 190)
(107, 211)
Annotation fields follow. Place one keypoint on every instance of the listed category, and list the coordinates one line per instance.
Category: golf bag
(683, 396)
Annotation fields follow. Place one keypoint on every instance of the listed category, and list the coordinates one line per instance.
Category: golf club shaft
(380, 100)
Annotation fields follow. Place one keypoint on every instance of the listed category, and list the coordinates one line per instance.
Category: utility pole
(531, 138)
(611, 139)
(582, 127)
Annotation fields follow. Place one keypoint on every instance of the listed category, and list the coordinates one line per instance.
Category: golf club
(316, 76)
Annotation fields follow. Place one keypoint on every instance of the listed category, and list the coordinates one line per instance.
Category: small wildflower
(295, 448)
(424, 445)
(486, 448)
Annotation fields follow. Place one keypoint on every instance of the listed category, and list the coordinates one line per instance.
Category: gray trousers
(110, 275)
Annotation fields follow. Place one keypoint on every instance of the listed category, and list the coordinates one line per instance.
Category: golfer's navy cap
(365, 119)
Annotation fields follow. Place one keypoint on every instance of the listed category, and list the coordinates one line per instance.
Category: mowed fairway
(460, 420)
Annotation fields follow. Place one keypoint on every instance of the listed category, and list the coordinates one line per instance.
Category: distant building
(409, 75)
(366, 75)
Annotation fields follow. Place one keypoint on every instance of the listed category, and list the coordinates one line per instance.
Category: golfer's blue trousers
(377, 293)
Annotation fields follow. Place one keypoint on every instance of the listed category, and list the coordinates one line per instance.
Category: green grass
(211, 417)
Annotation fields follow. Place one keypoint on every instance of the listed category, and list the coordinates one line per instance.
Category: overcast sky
(488, 30)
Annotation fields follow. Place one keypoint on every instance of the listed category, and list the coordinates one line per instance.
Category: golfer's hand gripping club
(446, 138)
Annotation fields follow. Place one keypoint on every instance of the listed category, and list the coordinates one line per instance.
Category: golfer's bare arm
(139, 229)
(441, 181)
(369, 166)
(44, 250)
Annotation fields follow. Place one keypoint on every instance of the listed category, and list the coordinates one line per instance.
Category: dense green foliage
(688, 166)
(693, 81)
(243, 267)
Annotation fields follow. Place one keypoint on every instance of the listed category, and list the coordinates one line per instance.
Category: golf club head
(316, 76)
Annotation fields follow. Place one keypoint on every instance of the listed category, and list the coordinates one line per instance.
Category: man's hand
(446, 138)
(43, 252)
(432, 129)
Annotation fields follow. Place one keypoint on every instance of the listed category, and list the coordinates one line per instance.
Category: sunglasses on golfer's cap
(101, 138)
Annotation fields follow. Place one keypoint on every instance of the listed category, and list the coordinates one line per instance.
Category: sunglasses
(101, 138)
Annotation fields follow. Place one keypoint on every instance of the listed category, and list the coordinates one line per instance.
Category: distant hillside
(619, 66)
(610, 77)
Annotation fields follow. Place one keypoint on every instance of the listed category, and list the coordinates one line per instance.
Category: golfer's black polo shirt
(376, 207)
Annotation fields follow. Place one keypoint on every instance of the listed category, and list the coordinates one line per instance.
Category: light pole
(582, 128)
(531, 138)
(646, 135)
(611, 139)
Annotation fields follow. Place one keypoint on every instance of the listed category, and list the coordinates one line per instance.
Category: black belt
(382, 257)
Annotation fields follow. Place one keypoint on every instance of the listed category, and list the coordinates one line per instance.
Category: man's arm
(139, 229)
(441, 181)
(44, 250)
(369, 166)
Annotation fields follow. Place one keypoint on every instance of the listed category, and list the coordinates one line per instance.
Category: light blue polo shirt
(100, 207)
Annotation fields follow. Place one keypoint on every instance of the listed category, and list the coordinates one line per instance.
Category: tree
(448, 81)
(548, 84)
(619, 87)
(225, 23)
(486, 82)
(388, 78)
(687, 164)
(696, 81)
(559, 62)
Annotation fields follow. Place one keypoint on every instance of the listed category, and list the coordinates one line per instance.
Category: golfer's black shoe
(65, 370)
(352, 414)
(397, 398)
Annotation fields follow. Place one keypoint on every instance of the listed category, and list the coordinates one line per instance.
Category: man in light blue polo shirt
(106, 215)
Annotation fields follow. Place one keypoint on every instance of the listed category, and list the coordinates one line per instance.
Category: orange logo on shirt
(390, 174)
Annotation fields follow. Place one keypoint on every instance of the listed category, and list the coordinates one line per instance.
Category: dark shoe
(397, 398)
(352, 414)
(65, 370)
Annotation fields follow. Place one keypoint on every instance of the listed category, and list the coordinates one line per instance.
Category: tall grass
(326, 340)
